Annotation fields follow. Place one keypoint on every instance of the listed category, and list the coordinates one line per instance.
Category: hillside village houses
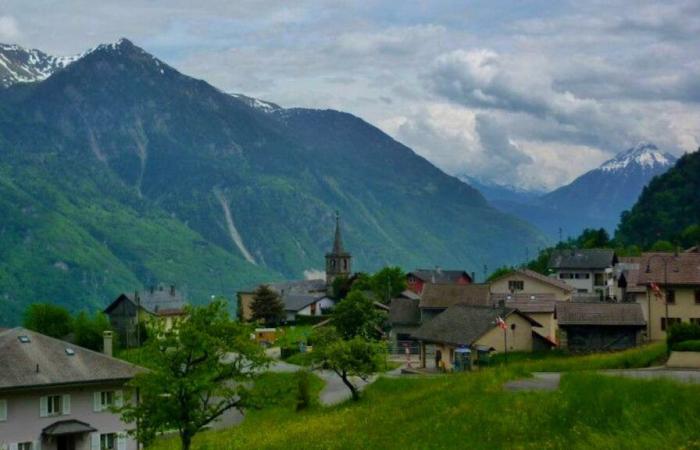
(57, 396)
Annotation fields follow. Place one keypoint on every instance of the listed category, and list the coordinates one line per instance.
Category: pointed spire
(338, 242)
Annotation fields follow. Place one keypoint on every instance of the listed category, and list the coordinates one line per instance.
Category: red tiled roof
(681, 269)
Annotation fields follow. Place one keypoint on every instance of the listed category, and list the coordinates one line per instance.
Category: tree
(201, 368)
(356, 315)
(89, 331)
(356, 357)
(501, 271)
(48, 319)
(388, 283)
(267, 306)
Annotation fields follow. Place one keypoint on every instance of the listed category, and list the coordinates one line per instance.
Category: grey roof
(439, 276)
(67, 427)
(338, 249)
(527, 303)
(163, 300)
(592, 258)
(446, 295)
(404, 311)
(297, 302)
(19, 362)
(299, 286)
(463, 324)
(409, 294)
(609, 314)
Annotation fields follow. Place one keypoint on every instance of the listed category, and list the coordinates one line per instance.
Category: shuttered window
(3, 410)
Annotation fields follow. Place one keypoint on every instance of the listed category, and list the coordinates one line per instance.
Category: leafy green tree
(89, 330)
(202, 367)
(48, 319)
(267, 306)
(349, 359)
(593, 238)
(356, 315)
(662, 246)
(691, 236)
(501, 271)
(388, 283)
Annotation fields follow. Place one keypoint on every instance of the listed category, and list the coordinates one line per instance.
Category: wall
(25, 425)
(519, 339)
(530, 285)
(685, 308)
(245, 299)
(549, 324)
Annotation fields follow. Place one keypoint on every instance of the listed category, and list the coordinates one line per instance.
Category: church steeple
(338, 261)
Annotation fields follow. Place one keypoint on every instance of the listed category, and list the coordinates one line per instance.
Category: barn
(596, 326)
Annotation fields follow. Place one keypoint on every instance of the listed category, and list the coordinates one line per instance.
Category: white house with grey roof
(589, 271)
(57, 396)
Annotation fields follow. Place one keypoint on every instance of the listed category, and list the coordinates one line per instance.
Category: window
(53, 405)
(24, 446)
(671, 321)
(697, 296)
(566, 275)
(599, 279)
(108, 441)
(516, 285)
(3, 410)
(695, 320)
(106, 399)
(670, 296)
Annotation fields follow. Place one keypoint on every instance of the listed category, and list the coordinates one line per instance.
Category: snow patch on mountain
(20, 65)
(262, 105)
(645, 155)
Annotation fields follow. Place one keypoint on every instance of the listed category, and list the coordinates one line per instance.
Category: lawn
(472, 410)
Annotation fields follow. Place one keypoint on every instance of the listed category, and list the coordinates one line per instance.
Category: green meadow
(472, 410)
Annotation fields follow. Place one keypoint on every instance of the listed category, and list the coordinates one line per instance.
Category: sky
(521, 93)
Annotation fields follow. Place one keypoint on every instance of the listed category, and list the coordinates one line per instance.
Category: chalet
(529, 282)
(309, 305)
(540, 307)
(417, 279)
(599, 326)
(436, 298)
(677, 297)
(475, 327)
(589, 271)
(128, 312)
(55, 395)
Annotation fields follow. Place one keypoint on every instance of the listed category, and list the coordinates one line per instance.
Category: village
(56, 394)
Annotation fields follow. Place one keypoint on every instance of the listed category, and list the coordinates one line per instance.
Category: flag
(501, 323)
(655, 289)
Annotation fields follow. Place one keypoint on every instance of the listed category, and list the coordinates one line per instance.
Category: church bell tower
(338, 261)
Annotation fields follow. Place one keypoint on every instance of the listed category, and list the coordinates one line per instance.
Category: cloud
(9, 31)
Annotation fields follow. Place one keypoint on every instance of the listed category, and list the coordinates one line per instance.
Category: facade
(540, 307)
(416, 280)
(475, 327)
(677, 277)
(127, 311)
(56, 396)
(528, 282)
(599, 326)
(588, 271)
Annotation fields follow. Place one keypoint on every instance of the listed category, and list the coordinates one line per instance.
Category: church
(306, 297)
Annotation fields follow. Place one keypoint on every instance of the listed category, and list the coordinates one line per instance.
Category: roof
(607, 314)
(446, 295)
(299, 286)
(463, 324)
(297, 302)
(632, 278)
(55, 366)
(526, 303)
(591, 258)
(681, 269)
(409, 294)
(162, 301)
(440, 276)
(404, 311)
(67, 427)
(551, 281)
(338, 249)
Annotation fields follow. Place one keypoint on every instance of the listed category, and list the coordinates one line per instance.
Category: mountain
(19, 65)
(668, 208)
(499, 193)
(123, 170)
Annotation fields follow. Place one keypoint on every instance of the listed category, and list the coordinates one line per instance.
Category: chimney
(172, 290)
(107, 343)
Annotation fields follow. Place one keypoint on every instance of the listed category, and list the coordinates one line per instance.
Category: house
(128, 311)
(55, 395)
(589, 271)
(306, 297)
(475, 327)
(404, 319)
(417, 279)
(626, 287)
(436, 298)
(677, 278)
(529, 282)
(540, 307)
(599, 326)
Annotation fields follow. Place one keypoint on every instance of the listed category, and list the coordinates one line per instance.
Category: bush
(309, 320)
(682, 332)
(687, 346)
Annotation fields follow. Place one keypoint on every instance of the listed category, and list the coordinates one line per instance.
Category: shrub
(687, 346)
(304, 390)
(682, 332)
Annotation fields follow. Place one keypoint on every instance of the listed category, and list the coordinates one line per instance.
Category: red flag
(501, 323)
(655, 289)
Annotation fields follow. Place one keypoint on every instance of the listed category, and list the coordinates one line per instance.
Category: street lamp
(648, 270)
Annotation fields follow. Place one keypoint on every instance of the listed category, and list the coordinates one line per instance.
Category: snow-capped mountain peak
(20, 65)
(644, 155)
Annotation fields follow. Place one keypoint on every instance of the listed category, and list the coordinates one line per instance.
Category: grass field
(473, 411)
